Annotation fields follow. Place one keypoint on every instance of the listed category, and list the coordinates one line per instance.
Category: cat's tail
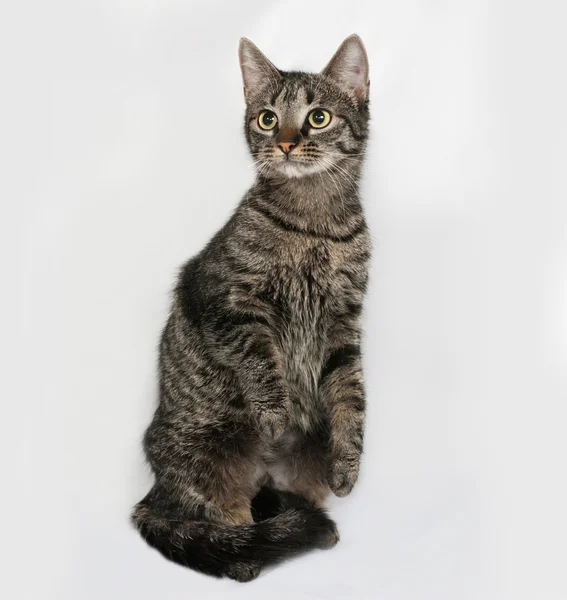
(238, 551)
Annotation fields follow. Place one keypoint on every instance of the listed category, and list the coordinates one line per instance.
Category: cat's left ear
(257, 70)
(349, 67)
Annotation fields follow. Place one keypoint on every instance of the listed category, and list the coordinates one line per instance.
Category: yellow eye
(267, 120)
(319, 118)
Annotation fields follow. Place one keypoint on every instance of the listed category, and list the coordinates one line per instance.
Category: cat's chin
(296, 169)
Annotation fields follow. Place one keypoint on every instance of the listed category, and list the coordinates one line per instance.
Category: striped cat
(261, 410)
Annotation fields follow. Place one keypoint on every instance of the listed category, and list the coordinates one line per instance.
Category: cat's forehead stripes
(291, 91)
(305, 90)
(291, 104)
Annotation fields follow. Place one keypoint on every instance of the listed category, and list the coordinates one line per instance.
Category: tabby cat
(261, 410)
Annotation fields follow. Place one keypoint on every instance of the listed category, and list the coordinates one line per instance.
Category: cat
(262, 401)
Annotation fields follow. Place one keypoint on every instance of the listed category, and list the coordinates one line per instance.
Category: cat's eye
(319, 118)
(267, 120)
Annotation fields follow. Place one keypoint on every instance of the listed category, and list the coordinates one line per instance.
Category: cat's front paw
(343, 473)
(272, 423)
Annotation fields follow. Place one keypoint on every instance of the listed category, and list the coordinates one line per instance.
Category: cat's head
(298, 124)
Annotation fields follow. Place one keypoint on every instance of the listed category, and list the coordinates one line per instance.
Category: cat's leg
(211, 477)
(206, 473)
(244, 341)
(302, 470)
(342, 390)
(177, 506)
(205, 446)
(231, 504)
(308, 474)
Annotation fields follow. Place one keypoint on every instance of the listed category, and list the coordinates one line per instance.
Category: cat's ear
(349, 67)
(257, 70)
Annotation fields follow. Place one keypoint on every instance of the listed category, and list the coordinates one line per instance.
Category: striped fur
(261, 410)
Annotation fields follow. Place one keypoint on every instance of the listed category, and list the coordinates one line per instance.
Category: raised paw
(343, 475)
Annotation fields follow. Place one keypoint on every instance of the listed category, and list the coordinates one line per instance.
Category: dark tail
(285, 525)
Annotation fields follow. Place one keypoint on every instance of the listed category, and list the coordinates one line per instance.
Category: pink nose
(287, 146)
(287, 139)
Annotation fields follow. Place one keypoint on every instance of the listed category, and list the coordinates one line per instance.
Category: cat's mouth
(295, 167)
(296, 163)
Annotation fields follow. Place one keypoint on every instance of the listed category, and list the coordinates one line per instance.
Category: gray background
(123, 153)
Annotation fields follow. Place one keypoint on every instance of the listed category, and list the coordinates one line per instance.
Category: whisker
(341, 171)
(328, 172)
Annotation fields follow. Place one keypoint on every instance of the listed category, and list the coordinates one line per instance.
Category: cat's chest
(303, 286)
(303, 295)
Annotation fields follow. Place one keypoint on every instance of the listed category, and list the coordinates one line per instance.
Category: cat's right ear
(257, 70)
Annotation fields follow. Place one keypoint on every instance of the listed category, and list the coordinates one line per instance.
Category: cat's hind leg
(302, 469)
